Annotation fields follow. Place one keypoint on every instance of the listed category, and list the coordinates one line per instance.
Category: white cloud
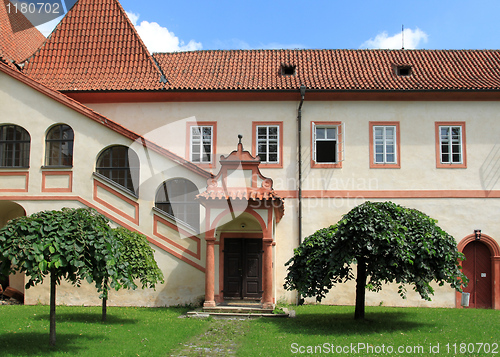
(412, 40)
(160, 39)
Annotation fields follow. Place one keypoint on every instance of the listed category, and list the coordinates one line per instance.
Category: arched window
(59, 146)
(120, 164)
(176, 197)
(14, 146)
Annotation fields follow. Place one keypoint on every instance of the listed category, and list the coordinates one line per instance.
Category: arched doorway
(482, 267)
(477, 267)
(10, 210)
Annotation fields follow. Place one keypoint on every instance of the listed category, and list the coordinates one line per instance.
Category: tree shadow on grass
(83, 317)
(344, 324)
(37, 344)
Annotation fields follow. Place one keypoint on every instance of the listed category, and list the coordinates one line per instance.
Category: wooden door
(242, 268)
(477, 267)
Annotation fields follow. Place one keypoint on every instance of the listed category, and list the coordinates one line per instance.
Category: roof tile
(19, 39)
(95, 47)
(332, 69)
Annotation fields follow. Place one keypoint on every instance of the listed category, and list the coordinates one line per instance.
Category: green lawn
(414, 331)
(320, 329)
(24, 331)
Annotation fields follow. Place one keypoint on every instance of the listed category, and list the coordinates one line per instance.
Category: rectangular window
(201, 141)
(450, 144)
(384, 145)
(384, 141)
(450, 141)
(267, 143)
(326, 144)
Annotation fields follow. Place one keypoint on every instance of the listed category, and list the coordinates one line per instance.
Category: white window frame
(336, 140)
(385, 142)
(201, 144)
(268, 142)
(450, 142)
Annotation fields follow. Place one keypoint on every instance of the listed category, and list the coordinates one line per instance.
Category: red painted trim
(374, 165)
(213, 124)
(390, 194)
(280, 95)
(265, 230)
(439, 165)
(314, 164)
(279, 124)
(24, 174)
(134, 219)
(177, 255)
(495, 268)
(112, 218)
(57, 173)
(197, 240)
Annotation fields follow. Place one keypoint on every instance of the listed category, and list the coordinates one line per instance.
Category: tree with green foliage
(71, 244)
(139, 256)
(388, 243)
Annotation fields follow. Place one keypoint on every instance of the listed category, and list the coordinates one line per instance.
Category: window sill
(385, 166)
(116, 186)
(451, 166)
(24, 168)
(264, 165)
(318, 165)
(68, 168)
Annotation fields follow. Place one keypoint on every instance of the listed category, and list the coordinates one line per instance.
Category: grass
(24, 331)
(415, 329)
(159, 332)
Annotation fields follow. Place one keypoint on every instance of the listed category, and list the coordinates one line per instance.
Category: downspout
(299, 130)
(299, 126)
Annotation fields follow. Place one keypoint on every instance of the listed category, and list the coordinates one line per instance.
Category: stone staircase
(237, 309)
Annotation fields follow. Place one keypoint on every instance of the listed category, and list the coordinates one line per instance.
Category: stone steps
(236, 312)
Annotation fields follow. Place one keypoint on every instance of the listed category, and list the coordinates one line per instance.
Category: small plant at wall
(389, 243)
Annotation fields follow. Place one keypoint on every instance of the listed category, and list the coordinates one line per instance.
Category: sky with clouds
(167, 26)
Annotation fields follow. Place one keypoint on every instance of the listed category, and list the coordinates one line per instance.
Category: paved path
(221, 339)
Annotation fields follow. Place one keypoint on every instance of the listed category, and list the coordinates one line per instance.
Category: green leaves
(399, 244)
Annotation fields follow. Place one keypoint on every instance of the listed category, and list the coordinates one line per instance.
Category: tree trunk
(104, 309)
(52, 335)
(359, 312)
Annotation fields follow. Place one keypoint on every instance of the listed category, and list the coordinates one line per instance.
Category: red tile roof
(332, 70)
(18, 38)
(95, 47)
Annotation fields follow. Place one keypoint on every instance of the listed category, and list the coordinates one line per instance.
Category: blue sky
(241, 24)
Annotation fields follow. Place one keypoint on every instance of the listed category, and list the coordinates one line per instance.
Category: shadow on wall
(489, 172)
(184, 284)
